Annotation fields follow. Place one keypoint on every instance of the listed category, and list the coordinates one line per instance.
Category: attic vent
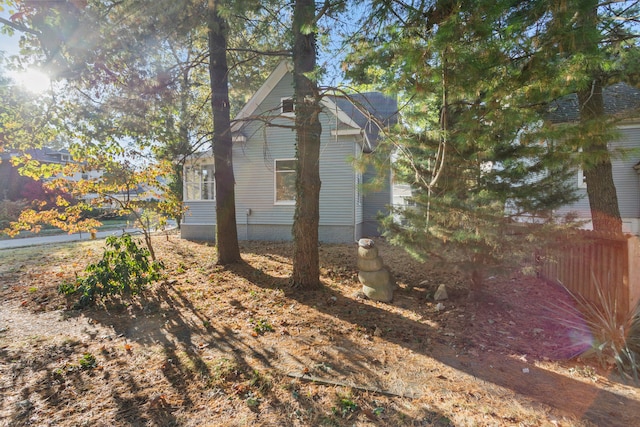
(287, 105)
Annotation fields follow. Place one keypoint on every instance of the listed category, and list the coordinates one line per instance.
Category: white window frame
(201, 184)
(275, 182)
(359, 188)
(582, 183)
(293, 106)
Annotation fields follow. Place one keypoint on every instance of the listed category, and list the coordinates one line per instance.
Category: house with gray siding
(15, 186)
(622, 101)
(264, 167)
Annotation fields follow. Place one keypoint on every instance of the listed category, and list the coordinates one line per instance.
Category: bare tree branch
(19, 27)
(284, 52)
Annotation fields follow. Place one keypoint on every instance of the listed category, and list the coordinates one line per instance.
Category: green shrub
(88, 361)
(261, 326)
(345, 405)
(125, 269)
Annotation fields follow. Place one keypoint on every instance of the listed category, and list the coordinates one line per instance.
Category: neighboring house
(12, 184)
(402, 194)
(264, 168)
(623, 101)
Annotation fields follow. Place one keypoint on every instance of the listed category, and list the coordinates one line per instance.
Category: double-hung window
(285, 182)
(199, 182)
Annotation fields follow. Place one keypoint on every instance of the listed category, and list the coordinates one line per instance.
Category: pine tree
(226, 230)
(598, 171)
(475, 146)
(306, 261)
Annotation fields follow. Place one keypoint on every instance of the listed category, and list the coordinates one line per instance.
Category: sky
(329, 61)
(7, 43)
(32, 80)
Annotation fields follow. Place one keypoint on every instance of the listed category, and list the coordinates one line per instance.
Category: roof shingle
(619, 99)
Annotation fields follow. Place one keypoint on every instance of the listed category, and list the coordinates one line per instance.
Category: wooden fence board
(612, 260)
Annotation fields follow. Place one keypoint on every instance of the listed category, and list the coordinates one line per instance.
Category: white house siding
(626, 180)
(258, 217)
(197, 222)
(375, 202)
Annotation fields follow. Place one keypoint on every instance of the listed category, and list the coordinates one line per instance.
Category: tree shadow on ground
(196, 346)
(577, 398)
(182, 332)
(201, 355)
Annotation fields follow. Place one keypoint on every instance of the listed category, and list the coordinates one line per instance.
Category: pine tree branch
(326, 7)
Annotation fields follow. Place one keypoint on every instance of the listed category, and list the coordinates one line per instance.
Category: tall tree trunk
(598, 172)
(226, 229)
(183, 146)
(601, 190)
(306, 263)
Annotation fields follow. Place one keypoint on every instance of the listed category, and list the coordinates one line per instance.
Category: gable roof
(619, 99)
(370, 110)
(254, 102)
(354, 112)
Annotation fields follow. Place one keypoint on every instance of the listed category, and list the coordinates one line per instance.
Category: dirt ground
(236, 346)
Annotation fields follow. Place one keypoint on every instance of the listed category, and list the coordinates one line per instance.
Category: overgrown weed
(615, 335)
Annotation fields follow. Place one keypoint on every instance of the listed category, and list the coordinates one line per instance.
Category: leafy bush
(124, 270)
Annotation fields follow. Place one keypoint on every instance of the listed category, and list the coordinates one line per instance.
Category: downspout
(247, 213)
(184, 193)
(355, 193)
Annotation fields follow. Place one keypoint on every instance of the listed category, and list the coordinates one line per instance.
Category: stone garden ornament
(377, 283)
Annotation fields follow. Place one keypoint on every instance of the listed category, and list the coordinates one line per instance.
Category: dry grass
(227, 346)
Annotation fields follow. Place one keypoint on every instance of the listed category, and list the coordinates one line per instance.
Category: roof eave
(341, 115)
(251, 106)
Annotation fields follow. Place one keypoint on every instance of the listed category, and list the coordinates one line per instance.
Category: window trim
(185, 182)
(275, 183)
(582, 183)
(293, 107)
(358, 193)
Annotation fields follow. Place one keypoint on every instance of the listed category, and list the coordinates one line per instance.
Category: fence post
(633, 251)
